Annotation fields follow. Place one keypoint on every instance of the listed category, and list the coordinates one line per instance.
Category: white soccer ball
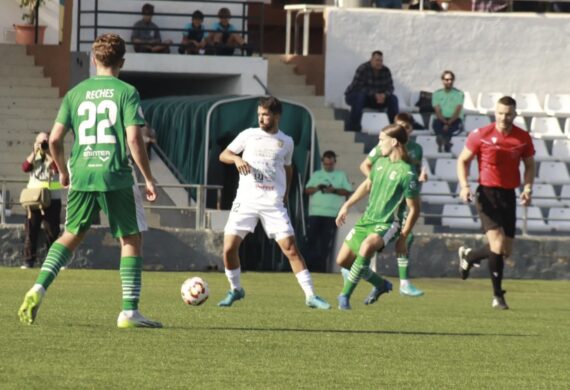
(195, 291)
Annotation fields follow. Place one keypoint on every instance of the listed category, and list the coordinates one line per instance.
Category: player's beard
(267, 127)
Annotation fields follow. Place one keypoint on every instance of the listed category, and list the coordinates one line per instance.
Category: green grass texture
(450, 338)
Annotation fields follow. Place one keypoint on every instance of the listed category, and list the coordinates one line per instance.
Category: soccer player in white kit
(265, 175)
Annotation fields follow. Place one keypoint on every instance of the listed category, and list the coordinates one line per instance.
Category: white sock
(39, 288)
(306, 282)
(234, 276)
(404, 282)
(130, 313)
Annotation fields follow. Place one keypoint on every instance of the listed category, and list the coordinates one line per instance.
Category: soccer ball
(195, 291)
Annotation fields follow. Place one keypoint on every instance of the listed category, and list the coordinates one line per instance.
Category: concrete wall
(433, 255)
(488, 52)
(12, 14)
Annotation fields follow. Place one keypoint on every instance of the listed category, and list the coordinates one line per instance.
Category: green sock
(58, 256)
(131, 269)
(403, 267)
(373, 278)
(359, 267)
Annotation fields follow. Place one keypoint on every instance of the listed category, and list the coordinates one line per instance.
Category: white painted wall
(12, 14)
(488, 52)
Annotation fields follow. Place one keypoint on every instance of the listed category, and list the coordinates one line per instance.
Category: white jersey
(267, 154)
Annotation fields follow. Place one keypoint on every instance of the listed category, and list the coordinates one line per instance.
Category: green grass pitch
(450, 338)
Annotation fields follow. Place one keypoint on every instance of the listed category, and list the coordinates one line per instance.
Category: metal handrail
(96, 11)
(200, 206)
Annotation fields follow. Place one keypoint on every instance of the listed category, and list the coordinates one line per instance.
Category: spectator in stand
(393, 4)
(194, 35)
(146, 34)
(447, 103)
(371, 87)
(225, 37)
(328, 189)
(43, 173)
(489, 5)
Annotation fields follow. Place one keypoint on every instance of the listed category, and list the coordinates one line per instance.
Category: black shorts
(497, 208)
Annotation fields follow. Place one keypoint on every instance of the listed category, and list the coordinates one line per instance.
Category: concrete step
(320, 114)
(25, 82)
(25, 91)
(309, 101)
(30, 123)
(288, 90)
(17, 59)
(21, 71)
(22, 102)
(331, 126)
(28, 112)
(284, 76)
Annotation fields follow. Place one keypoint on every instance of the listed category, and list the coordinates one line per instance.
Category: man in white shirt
(265, 175)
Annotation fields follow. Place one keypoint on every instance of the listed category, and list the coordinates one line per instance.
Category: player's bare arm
(413, 215)
(463, 163)
(56, 149)
(138, 151)
(229, 157)
(362, 190)
(365, 167)
(529, 172)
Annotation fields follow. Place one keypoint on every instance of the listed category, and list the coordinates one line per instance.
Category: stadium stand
(468, 104)
(486, 102)
(528, 104)
(559, 219)
(472, 122)
(553, 173)
(458, 145)
(520, 121)
(446, 169)
(543, 195)
(373, 122)
(459, 216)
(429, 145)
(567, 128)
(557, 105)
(545, 127)
(561, 150)
(541, 152)
(534, 219)
(565, 195)
(437, 192)
(419, 119)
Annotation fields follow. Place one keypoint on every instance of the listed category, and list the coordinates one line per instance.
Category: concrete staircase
(285, 84)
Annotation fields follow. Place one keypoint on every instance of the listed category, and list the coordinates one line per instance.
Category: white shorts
(274, 219)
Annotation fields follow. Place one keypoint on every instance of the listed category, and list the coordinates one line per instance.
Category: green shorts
(362, 230)
(123, 208)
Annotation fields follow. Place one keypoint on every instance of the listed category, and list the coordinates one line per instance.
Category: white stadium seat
(557, 104)
(486, 101)
(458, 216)
(437, 192)
(472, 122)
(472, 184)
(543, 195)
(535, 220)
(458, 143)
(373, 122)
(429, 146)
(561, 150)
(567, 127)
(545, 127)
(541, 152)
(528, 104)
(565, 195)
(404, 103)
(468, 105)
(553, 173)
(446, 169)
(559, 219)
(520, 122)
(427, 168)
(418, 118)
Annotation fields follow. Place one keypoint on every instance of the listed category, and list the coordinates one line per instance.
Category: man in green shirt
(415, 153)
(447, 103)
(105, 116)
(393, 186)
(328, 189)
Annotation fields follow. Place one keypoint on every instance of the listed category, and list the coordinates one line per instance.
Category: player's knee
(133, 240)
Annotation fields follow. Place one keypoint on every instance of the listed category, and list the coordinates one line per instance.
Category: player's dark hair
(271, 103)
(404, 119)
(377, 53)
(399, 133)
(507, 101)
(198, 15)
(449, 73)
(330, 154)
(109, 50)
(147, 9)
(224, 13)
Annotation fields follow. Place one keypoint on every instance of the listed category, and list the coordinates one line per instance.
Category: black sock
(476, 255)
(496, 265)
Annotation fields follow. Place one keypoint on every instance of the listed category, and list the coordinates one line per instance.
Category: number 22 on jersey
(90, 110)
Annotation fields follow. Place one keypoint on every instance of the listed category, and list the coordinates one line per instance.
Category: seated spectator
(447, 103)
(393, 4)
(146, 34)
(225, 37)
(371, 87)
(489, 5)
(194, 35)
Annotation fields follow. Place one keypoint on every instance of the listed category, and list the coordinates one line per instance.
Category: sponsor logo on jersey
(393, 175)
(103, 155)
(494, 140)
